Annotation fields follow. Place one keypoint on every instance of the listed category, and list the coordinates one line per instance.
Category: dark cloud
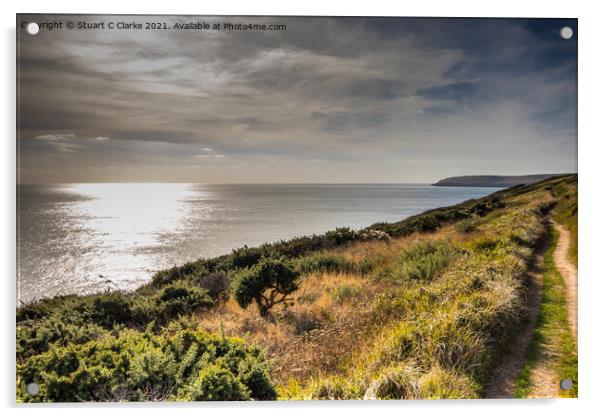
(366, 97)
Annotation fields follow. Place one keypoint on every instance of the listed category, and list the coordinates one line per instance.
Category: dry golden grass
(308, 338)
(320, 335)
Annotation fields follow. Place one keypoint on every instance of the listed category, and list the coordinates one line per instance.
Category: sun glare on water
(132, 212)
(129, 220)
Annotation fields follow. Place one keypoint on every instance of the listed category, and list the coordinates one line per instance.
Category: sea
(84, 238)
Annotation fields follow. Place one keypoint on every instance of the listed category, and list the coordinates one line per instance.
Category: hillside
(494, 181)
(423, 308)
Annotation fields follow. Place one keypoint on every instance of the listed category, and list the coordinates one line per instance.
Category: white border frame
(590, 286)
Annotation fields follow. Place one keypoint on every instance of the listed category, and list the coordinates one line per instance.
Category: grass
(551, 332)
(345, 293)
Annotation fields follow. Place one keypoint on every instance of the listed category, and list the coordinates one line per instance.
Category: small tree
(268, 283)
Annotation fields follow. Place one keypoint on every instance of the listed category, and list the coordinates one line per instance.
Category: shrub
(374, 234)
(466, 226)
(342, 235)
(36, 338)
(216, 383)
(481, 209)
(217, 286)
(181, 298)
(111, 308)
(427, 223)
(188, 364)
(322, 262)
(425, 260)
(187, 271)
(268, 283)
(245, 256)
(34, 310)
(45, 307)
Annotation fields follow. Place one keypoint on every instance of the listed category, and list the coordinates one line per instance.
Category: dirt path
(545, 379)
(503, 381)
(569, 273)
(543, 376)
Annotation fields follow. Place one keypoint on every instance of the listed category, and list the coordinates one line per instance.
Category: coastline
(127, 244)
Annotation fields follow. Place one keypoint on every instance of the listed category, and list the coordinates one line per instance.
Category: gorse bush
(268, 283)
(216, 383)
(190, 271)
(179, 299)
(175, 299)
(36, 338)
(110, 309)
(50, 306)
(179, 364)
(78, 319)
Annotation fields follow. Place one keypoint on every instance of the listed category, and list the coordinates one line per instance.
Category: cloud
(56, 137)
(62, 142)
(367, 92)
(69, 142)
(210, 156)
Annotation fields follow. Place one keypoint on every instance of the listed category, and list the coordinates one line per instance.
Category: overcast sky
(327, 100)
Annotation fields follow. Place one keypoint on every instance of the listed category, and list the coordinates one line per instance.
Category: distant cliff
(497, 181)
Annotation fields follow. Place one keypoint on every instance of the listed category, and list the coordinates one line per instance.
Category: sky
(328, 100)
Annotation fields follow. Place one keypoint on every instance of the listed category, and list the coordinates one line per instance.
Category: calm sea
(70, 234)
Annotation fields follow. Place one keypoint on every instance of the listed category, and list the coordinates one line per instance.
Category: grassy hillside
(566, 212)
(422, 308)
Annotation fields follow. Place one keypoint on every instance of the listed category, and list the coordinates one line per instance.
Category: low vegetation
(421, 308)
(178, 364)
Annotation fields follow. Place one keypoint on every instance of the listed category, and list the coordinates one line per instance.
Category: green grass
(447, 315)
(552, 330)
